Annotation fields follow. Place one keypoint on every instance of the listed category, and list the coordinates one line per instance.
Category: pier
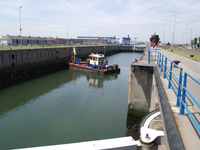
(176, 80)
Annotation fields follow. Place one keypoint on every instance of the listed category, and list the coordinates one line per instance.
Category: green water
(66, 107)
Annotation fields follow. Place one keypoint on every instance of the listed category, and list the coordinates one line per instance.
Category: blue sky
(138, 18)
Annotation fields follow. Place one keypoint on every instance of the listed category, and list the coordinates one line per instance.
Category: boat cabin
(96, 60)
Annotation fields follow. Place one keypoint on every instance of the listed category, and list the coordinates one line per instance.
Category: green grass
(187, 55)
(39, 47)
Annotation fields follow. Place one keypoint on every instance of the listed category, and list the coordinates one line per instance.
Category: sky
(71, 18)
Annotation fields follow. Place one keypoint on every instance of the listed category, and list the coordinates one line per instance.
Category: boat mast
(74, 51)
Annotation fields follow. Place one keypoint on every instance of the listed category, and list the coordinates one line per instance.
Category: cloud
(138, 18)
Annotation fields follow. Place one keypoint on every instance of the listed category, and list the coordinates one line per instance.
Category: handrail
(154, 56)
(183, 105)
(170, 127)
(162, 62)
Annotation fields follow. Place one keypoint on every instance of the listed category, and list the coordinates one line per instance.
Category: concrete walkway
(188, 132)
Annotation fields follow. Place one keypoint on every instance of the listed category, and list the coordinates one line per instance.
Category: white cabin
(96, 60)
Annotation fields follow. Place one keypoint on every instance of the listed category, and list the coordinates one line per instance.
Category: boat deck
(90, 69)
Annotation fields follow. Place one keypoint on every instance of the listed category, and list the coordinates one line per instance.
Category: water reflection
(95, 80)
(65, 107)
(23, 93)
(20, 94)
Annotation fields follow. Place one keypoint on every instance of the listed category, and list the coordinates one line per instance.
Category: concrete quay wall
(146, 93)
(15, 64)
(193, 51)
(17, 58)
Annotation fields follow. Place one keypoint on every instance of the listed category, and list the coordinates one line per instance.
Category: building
(29, 40)
(25, 40)
(126, 40)
(98, 39)
(6, 40)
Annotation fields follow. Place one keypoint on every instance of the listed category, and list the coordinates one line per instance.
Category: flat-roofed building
(25, 40)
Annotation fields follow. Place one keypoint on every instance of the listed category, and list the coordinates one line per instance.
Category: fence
(175, 82)
(183, 105)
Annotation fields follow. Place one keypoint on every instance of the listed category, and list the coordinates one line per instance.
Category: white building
(24, 40)
(6, 40)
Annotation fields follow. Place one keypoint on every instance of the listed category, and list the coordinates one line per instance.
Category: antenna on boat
(104, 51)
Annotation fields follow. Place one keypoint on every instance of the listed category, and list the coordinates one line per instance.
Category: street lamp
(67, 32)
(174, 30)
(164, 34)
(190, 38)
(20, 25)
(186, 38)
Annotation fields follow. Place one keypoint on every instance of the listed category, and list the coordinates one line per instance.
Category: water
(66, 107)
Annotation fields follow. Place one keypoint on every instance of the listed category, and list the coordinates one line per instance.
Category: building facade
(126, 40)
(29, 40)
(26, 40)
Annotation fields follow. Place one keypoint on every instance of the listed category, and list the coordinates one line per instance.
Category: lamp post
(190, 38)
(20, 25)
(186, 38)
(164, 34)
(67, 32)
(174, 30)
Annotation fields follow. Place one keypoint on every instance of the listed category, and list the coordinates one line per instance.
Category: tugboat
(95, 63)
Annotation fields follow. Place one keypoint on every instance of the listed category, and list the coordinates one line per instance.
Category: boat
(95, 63)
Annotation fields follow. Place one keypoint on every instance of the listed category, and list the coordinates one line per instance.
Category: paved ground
(189, 134)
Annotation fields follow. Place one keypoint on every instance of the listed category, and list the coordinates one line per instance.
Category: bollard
(176, 62)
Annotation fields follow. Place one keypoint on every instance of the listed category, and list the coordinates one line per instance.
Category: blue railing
(174, 81)
(186, 91)
(166, 66)
(152, 57)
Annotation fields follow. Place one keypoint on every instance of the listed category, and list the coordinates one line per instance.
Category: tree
(195, 41)
(192, 42)
(199, 39)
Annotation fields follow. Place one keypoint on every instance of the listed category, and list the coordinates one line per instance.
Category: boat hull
(95, 70)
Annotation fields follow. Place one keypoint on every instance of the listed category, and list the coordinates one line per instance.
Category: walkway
(190, 136)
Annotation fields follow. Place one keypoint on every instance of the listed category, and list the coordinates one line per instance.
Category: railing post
(183, 95)
(155, 53)
(165, 69)
(162, 64)
(159, 60)
(170, 76)
(179, 88)
(148, 56)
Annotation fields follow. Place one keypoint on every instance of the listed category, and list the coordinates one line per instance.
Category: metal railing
(174, 81)
(166, 66)
(183, 105)
(152, 57)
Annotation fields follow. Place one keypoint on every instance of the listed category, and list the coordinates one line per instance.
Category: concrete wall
(192, 51)
(140, 87)
(19, 64)
(18, 58)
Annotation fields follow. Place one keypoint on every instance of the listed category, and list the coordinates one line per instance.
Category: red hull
(90, 69)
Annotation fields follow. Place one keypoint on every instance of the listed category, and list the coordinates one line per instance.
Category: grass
(187, 55)
(39, 47)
